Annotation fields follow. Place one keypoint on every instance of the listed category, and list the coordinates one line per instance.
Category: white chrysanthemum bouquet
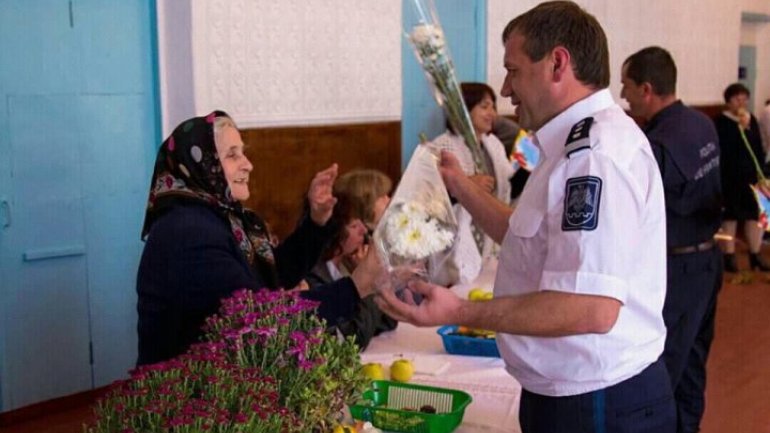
(419, 224)
(414, 234)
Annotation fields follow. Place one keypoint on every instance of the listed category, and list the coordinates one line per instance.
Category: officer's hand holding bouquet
(418, 226)
(439, 305)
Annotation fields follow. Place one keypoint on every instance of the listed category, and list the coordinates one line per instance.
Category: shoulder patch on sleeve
(577, 139)
(581, 203)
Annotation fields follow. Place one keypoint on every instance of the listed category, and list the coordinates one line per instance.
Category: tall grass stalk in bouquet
(430, 46)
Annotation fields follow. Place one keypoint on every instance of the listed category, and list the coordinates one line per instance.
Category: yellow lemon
(487, 296)
(374, 371)
(476, 294)
(401, 370)
(344, 429)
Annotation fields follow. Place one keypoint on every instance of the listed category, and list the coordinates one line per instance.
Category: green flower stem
(757, 167)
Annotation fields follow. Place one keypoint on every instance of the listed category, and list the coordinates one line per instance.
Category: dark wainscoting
(286, 158)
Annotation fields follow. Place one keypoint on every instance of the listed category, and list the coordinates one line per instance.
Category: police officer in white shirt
(581, 280)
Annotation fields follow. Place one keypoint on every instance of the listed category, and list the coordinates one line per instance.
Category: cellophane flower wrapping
(419, 225)
(424, 32)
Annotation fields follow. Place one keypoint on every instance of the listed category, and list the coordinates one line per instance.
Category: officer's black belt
(689, 249)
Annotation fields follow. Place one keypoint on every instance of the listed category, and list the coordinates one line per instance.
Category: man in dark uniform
(686, 147)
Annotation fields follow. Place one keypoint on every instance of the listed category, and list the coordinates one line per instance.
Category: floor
(738, 395)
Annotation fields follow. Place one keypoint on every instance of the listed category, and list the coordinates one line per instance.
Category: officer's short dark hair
(564, 23)
(473, 93)
(735, 89)
(653, 65)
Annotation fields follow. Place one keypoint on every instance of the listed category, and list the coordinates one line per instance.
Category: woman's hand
(320, 195)
(744, 118)
(357, 256)
(485, 181)
(368, 273)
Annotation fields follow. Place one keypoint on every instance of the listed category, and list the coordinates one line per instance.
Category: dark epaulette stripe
(577, 150)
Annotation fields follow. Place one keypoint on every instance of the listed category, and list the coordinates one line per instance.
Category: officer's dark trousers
(691, 298)
(641, 404)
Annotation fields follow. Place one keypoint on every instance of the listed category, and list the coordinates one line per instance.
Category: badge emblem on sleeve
(581, 203)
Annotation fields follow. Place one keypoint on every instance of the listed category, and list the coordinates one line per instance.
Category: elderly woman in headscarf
(202, 244)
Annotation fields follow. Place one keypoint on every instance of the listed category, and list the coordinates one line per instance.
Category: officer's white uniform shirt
(610, 242)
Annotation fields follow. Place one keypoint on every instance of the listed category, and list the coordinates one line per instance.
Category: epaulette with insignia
(577, 139)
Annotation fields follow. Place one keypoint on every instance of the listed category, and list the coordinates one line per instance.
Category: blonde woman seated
(362, 196)
(464, 262)
(369, 192)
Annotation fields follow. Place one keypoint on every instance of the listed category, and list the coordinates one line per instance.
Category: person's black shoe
(729, 263)
(756, 263)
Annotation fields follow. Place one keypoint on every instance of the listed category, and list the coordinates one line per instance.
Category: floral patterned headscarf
(188, 169)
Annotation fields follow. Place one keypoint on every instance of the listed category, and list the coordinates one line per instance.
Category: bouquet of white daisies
(419, 224)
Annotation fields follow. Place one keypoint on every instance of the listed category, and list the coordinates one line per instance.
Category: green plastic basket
(395, 407)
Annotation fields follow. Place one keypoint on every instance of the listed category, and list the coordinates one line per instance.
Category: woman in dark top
(739, 171)
(356, 200)
(202, 244)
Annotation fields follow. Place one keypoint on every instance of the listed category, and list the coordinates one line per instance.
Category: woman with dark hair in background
(739, 172)
(473, 245)
(362, 196)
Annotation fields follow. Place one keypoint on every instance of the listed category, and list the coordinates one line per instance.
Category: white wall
(702, 35)
(301, 62)
(177, 92)
(289, 62)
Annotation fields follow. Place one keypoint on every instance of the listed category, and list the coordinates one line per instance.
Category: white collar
(334, 272)
(731, 116)
(552, 136)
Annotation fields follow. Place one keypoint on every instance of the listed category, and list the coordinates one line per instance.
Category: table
(495, 393)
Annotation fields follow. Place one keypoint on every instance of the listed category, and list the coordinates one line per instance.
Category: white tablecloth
(495, 393)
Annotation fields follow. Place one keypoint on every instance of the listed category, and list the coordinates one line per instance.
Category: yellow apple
(401, 370)
(344, 429)
(374, 371)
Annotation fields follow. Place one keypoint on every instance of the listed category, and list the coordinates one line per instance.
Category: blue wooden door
(464, 23)
(78, 129)
(121, 118)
